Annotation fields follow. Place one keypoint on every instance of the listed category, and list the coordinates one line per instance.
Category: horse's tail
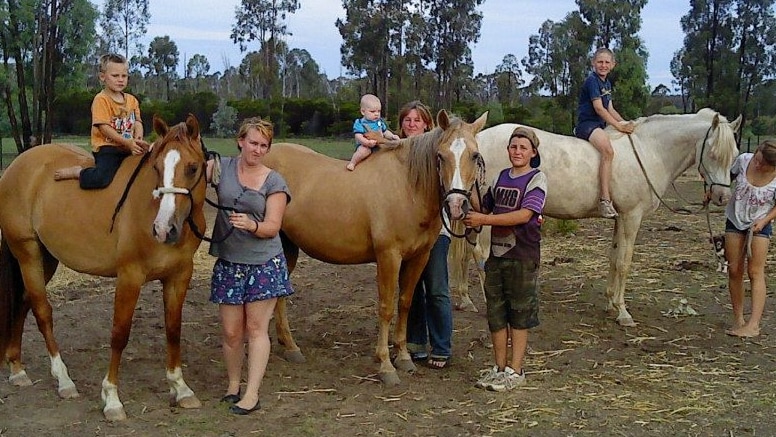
(11, 295)
(457, 258)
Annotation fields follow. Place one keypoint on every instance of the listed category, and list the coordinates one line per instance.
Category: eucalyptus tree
(755, 35)
(124, 23)
(545, 61)
(42, 43)
(263, 21)
(370, 31)
(302, 76)
(707, 51)
(452, 27)
(162, 61)
(558, 59)
(197, 69)
(509, 80)
(251, 70)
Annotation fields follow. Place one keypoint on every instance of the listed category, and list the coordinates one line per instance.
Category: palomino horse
(660, 149)
(388, 210)
(45, 222)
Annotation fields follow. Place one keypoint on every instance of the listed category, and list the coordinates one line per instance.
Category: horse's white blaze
(167, 204)
(59, 371)
(178, 387)
(455, 201)
(110, 396)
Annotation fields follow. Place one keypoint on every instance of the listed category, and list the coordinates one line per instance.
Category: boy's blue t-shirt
(593, 88)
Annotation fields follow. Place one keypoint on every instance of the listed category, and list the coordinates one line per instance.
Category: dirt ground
(673, 374)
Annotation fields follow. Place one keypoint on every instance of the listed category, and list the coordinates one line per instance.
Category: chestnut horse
(388, 210)
(45, 222)
(645, 164)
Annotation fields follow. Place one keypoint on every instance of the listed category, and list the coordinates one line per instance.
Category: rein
(706, 187)
(684, 211)
(124, 195)
(158, 192)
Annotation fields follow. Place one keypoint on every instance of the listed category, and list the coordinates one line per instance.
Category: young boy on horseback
(516, 199)
(369, 122)
(117, 129)
(595, 111)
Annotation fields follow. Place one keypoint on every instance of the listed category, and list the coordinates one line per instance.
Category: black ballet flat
(234, 409)
(231, 399)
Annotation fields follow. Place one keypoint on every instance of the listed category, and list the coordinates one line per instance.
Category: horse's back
(64, 218)
(334, 214)
(30, 178)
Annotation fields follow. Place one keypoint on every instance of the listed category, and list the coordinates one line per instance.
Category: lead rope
(684, 211)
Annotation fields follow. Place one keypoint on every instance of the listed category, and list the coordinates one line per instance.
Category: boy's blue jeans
(431, 314)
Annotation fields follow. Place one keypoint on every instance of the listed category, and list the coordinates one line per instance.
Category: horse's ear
(443, 119)
(192, 126)
(715, 121)
(160, 127)
(480, 122)
(735, 124)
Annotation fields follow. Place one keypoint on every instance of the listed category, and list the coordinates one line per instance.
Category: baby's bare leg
(359, 155)
(68, 173)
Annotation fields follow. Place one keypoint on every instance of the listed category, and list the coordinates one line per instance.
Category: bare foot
(68, 173)
(351, 166)
(743, 331)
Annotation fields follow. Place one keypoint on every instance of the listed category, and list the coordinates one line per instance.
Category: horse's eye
(476, 157)
(191, 169)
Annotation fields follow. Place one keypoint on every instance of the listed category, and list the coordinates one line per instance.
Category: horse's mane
(177, 132)
(422, 160)
(724, 141)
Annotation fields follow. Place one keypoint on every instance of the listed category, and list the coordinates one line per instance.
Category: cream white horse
(661, 148)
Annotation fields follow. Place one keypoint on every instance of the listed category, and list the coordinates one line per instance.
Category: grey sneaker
(486, 377)
(606, 209)
(507, 380)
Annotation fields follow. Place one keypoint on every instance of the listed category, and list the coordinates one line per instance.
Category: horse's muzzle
(166, 234)
(719, 195)
(456, 204)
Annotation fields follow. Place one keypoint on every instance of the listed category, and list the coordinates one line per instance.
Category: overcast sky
(506, 27)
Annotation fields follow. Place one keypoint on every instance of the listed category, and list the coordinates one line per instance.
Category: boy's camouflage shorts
(512, 293)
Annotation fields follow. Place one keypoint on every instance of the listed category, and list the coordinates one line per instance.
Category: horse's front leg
(626, 228)
(127, 292)
(409, 275)
(174, 292)
(387, 277)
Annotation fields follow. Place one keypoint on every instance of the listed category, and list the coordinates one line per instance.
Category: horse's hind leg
(35, 279)
(291, 351)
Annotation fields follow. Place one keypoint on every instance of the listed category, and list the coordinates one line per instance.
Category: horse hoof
(405, 365)
(20, 379)
(68, 392)
(467, 306)
(115, 414)
(390, 379)
(295, 357)
(189, 402)
(626, 322)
